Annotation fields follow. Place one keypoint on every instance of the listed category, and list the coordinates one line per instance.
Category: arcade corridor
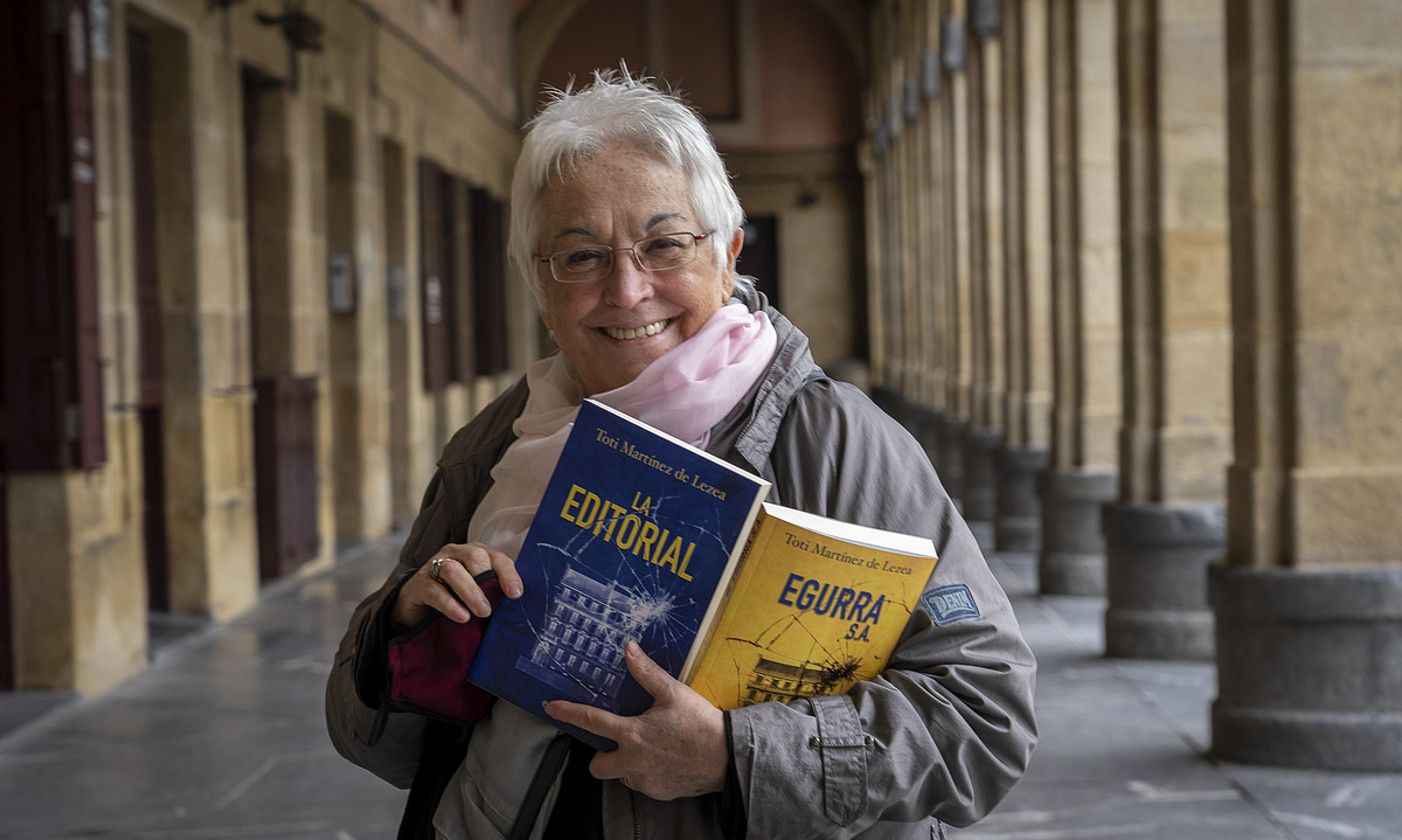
(223, 738)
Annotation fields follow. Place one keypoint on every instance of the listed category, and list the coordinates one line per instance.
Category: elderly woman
(624, 221)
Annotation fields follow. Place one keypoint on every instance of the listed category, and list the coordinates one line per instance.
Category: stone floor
(223, 738)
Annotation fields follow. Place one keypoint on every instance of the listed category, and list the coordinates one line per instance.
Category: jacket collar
(763, 409)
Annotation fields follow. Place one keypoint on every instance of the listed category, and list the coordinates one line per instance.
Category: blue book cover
(635, 534)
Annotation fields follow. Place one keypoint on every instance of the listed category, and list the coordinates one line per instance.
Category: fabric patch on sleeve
(953, 602)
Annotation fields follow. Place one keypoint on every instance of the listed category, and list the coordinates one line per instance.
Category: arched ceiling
(767, 73)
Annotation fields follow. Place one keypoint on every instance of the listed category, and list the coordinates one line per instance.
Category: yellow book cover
(815, 605)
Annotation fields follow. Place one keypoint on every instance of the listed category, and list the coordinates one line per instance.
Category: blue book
(635, 535)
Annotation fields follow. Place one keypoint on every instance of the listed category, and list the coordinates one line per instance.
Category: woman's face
(615, 198)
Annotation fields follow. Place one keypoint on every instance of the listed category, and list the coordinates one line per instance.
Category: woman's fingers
(446, 584)
(477, 558)
(454, 579)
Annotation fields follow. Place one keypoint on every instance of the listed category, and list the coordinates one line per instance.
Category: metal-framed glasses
(590, 263)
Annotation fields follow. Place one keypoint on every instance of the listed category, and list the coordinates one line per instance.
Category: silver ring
(435, 568)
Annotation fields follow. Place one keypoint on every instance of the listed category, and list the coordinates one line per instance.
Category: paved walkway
(223, 738)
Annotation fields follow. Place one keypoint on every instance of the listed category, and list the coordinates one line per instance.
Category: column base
(950, 435)
(926, 425)
(1156, 578)
(1018, 524)
(1309, 667)
(887, 400)
(981, 483)
(1072, 561)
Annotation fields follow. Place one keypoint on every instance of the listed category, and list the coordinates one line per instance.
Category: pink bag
(428, 666)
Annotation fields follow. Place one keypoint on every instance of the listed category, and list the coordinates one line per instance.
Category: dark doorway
(148, 317)
(284, 407)
(760, 256)
(402, 477)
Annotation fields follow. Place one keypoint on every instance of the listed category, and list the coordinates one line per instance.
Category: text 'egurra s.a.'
(627, 529)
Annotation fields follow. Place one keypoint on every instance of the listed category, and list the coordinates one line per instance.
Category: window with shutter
(489, 282)
(50, 386)
(457, 250)
(434, 333)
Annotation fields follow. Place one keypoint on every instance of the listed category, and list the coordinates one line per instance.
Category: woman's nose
(627, 285)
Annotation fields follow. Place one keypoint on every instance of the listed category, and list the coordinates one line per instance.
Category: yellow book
(814, 606)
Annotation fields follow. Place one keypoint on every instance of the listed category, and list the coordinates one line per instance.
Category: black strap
(444, 749)
(555, 755)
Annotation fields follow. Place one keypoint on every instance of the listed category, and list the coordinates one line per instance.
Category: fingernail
(631, 648)
(514, 589)
(545, 704)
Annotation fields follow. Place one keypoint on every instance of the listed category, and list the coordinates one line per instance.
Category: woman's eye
(584, 258)
(663, 246)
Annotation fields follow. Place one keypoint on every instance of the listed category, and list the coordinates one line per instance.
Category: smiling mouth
(628, 333)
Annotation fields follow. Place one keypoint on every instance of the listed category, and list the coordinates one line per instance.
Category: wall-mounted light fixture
(929, 73)
(952, 44)
(983, 18)
(301, 31)
(807, 194)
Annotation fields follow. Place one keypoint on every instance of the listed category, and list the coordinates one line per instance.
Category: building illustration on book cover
(784, 671)
(580, 648)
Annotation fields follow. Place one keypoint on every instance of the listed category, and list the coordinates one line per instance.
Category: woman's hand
(676, 748)
(453, 592)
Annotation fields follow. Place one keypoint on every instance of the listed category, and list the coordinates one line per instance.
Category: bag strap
(555, 755)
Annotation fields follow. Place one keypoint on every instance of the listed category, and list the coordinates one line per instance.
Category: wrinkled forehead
(624, 186)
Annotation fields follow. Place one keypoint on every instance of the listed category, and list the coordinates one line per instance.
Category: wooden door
(150, 367)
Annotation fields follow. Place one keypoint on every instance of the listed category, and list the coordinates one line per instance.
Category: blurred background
(1128, 269)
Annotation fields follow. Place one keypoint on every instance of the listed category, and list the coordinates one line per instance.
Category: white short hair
(616, 108)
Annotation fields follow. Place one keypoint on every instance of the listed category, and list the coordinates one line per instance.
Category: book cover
(815, 606)
(634, 535)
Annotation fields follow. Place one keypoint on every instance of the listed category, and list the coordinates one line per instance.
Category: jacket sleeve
(387, 745)
(948, 728)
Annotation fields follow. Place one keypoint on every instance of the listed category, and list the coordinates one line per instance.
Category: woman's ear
(737, 242)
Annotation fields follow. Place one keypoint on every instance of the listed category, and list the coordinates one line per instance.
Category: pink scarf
(683, 393)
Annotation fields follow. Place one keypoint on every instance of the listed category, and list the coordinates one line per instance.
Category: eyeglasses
(595, 262)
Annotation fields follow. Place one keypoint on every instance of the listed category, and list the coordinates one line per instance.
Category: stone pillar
(1027, 243)
(1085, 303)
(919, 308)
(986, 288)
(1170, 520)
(933, 229)
(1308, 604)
(958, 319)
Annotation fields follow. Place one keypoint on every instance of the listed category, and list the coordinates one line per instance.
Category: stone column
(884, 302)
(1170, 520)
(1027, 244)
(1085, 304)
(914, 185)
(929, 409)
(958, 315)
(1308, 604)
(986, 288)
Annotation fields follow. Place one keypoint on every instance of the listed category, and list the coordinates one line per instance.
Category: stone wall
(76, 539)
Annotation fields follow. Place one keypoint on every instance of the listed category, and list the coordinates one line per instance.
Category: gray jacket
(941, 735)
